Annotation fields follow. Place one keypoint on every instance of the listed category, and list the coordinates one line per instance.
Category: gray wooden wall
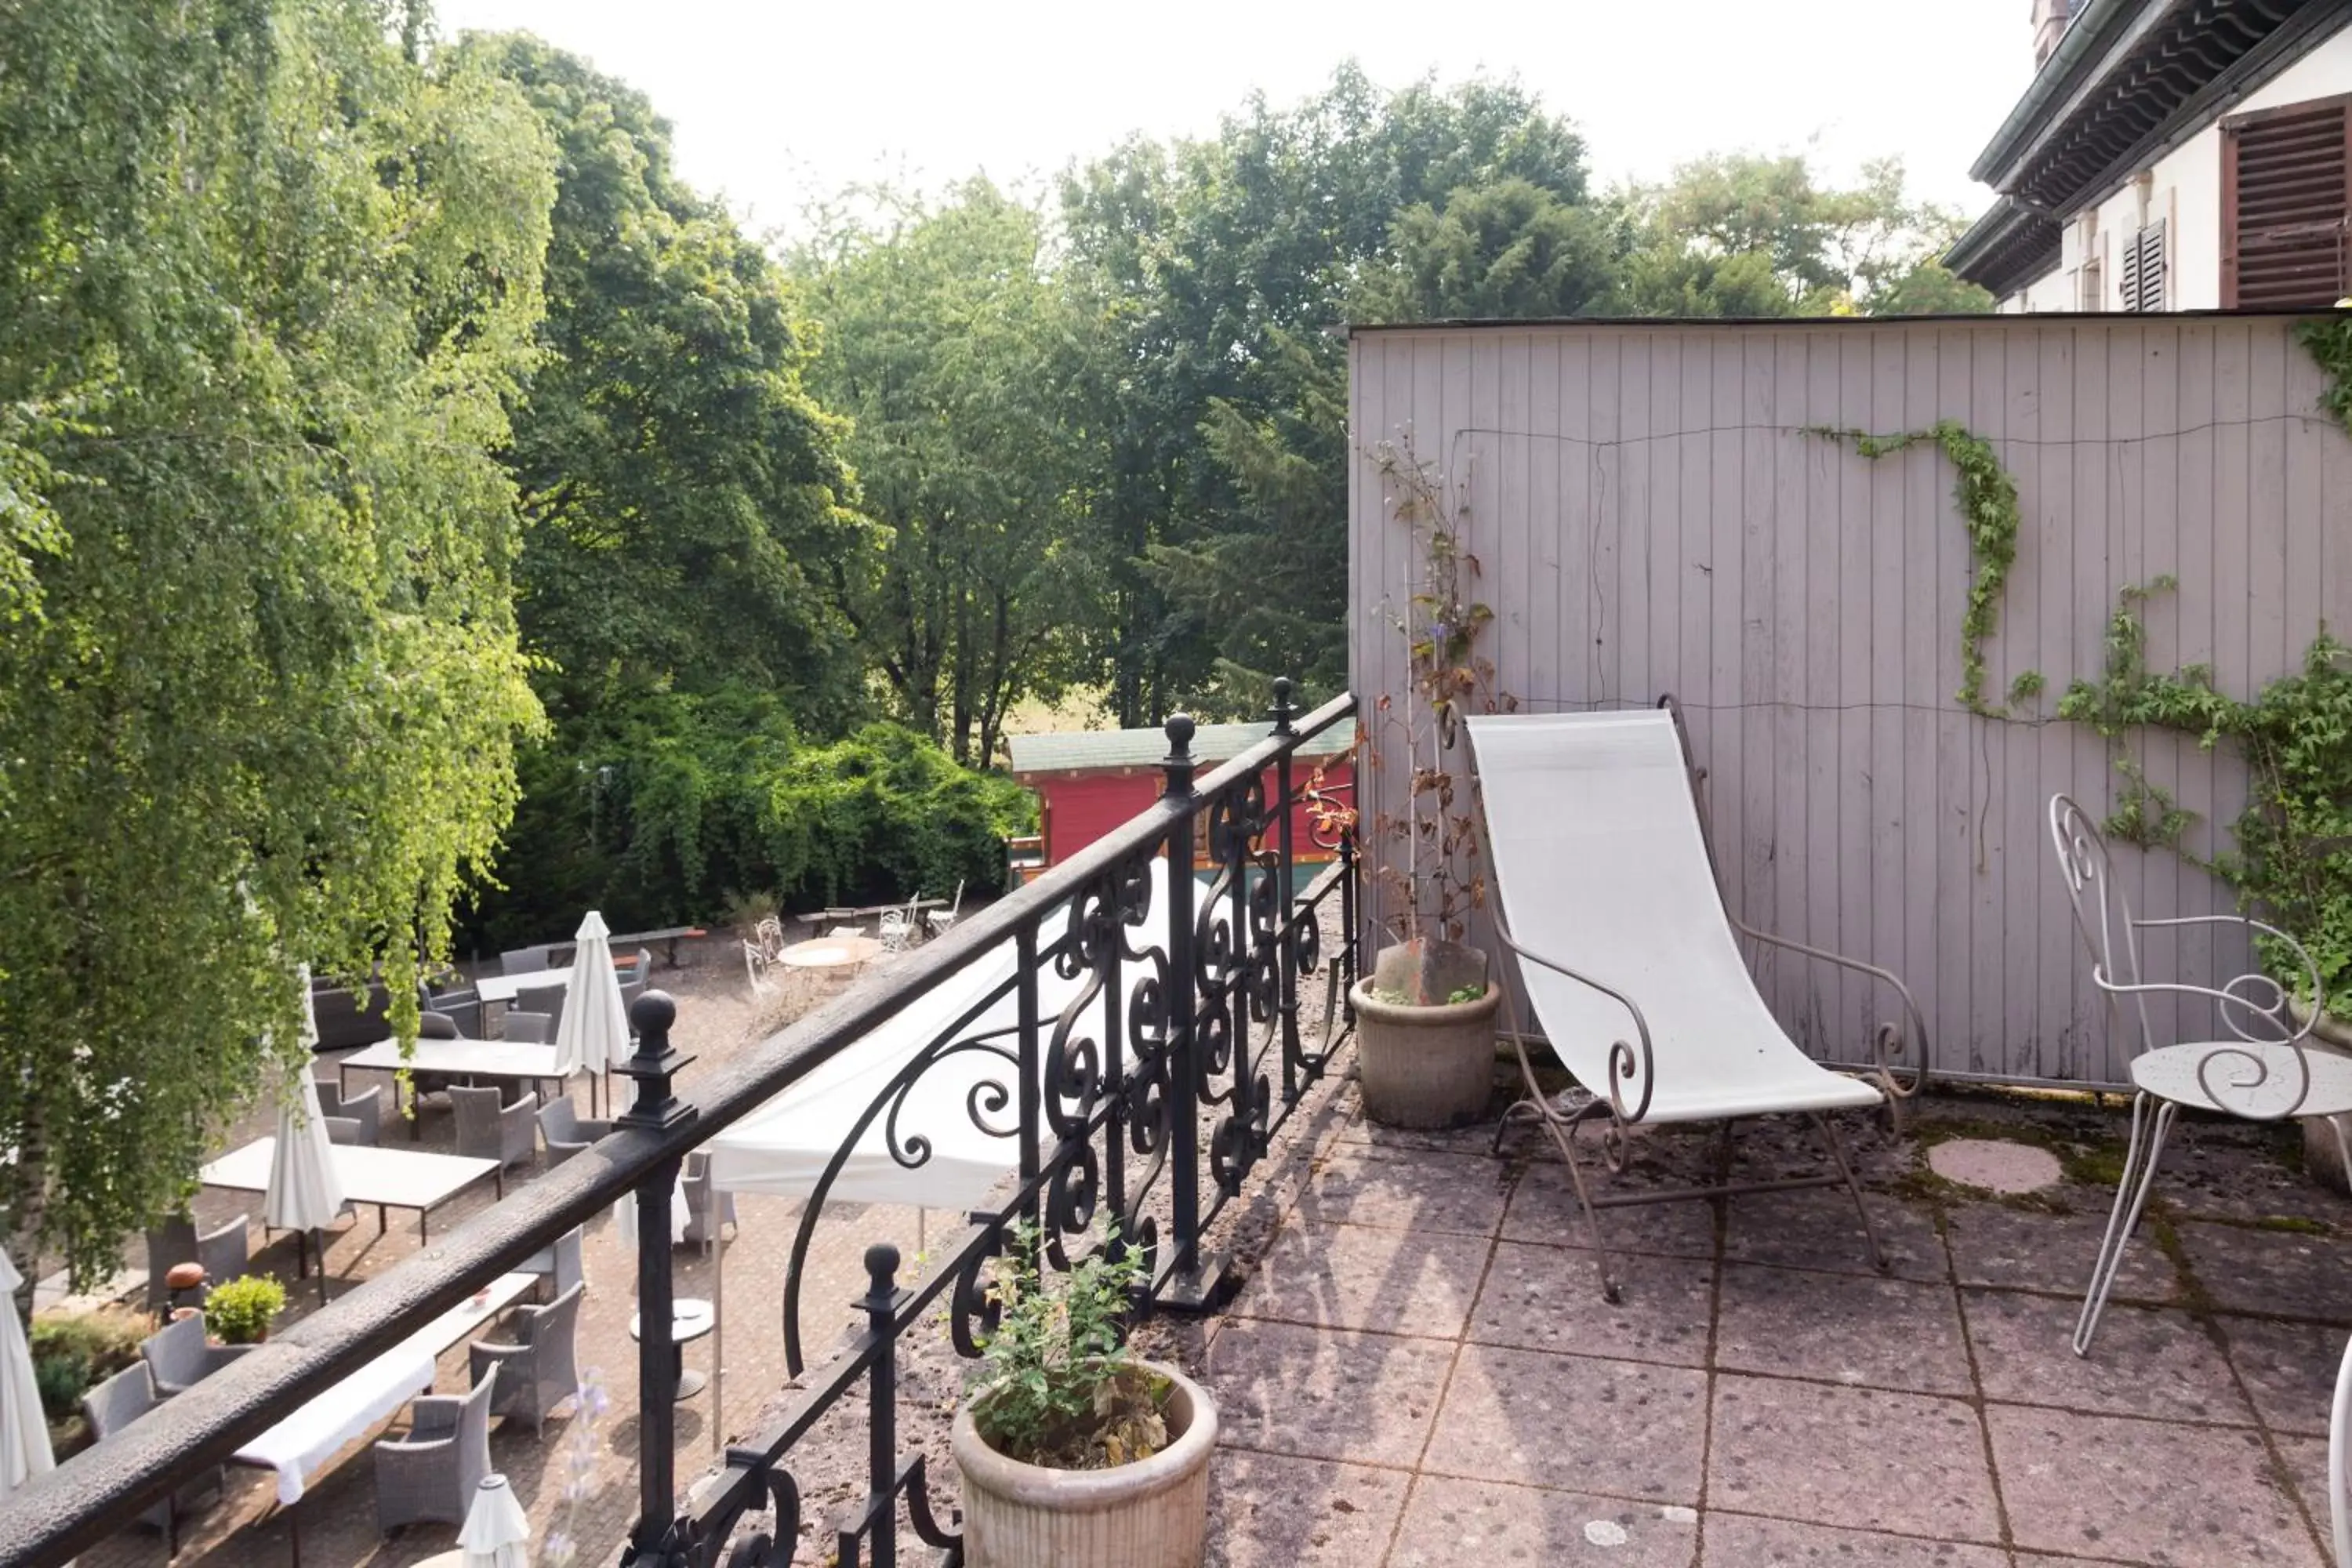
(1652, 517)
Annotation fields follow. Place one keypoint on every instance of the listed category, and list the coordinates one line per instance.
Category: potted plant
(1072, 1449)
(1425, 1016)
(239, 1311)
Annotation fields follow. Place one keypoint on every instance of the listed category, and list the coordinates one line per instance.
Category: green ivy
(1986, 497)
(2293, 862)
(2329, 343)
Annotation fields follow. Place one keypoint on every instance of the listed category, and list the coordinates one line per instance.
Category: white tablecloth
(300, 1445)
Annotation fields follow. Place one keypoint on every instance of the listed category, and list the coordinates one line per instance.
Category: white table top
(298, 1446)
(830, 952)
(503, 987)
(483, 1059)
(690, 1318)
(396, 1178)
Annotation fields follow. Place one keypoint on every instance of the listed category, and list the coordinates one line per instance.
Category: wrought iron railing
(1105, 1104)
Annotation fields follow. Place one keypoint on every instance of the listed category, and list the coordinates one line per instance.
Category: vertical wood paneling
(1655, 517)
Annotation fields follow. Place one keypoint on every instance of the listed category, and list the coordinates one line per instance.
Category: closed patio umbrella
(24, 1434)
(593, 1032)
(304, 1193)
(497, 1530)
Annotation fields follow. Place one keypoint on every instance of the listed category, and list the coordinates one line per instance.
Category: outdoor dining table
(517, 1061)
(506, 987)
(300, 1445)
(831, 953)
(387, 1178)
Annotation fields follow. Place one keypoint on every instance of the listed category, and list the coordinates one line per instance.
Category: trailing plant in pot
(239, 1311)
(1072, 1449)
(1425, 1017)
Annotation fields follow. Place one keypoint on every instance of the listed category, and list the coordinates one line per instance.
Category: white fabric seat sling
(1607, 894)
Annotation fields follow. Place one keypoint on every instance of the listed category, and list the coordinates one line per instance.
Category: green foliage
(684, 491)
(1986, 495)
(948, 344)
(75, 1352)
(239, 1311)
(2292, 860)
(1055, 1385)
(2329, 343)
(886, 811)
(2027, 685)
(270, 287)
(1514, 249)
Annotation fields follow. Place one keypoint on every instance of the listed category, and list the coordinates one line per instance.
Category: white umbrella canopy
(593, 1033)
(24, 1434)
(304, 1193)
(496, 1529)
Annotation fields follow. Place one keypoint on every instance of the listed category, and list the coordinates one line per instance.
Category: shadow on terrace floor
(1422, 1370)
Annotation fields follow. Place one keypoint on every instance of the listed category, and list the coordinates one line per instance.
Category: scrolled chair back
(2261, 1074)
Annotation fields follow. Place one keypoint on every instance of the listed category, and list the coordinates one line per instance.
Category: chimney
(2050, 18)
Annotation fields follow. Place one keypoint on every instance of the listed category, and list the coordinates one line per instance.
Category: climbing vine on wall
(2330, 341)
(1986, 497)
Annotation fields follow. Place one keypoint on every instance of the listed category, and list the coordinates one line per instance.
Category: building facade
(2173, 155)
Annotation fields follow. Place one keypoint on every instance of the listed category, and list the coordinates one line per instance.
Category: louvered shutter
(2143, 280)
(2284, 203)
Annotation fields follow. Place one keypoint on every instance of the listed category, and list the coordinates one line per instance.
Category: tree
(947, 345)
(270, 285)
(685, 491)
(1508, 251)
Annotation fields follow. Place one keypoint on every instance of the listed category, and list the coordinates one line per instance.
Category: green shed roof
(1077, 750)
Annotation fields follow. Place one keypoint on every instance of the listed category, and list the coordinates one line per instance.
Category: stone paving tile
(1856, 1456)
(1366, 1184)
(1548, 1298)
(2012, 1247)
(1361, 1277)
(2147, 1360)
(1451, 1522)
(2307, 1467)
(1291, 1389)
(1544, 1209)
(1624, 1428)
(1750, 1543)
(2289, 1368)
(2153, 1491)
(1817, 1228)
(2286, 1273)
(1842, 1327)
(1269, 1510)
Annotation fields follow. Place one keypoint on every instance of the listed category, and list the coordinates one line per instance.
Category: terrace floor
(1422, 1370)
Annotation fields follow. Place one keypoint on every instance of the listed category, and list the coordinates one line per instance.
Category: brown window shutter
(2286, 197)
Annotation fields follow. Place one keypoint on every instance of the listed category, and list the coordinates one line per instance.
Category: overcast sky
(776, 102)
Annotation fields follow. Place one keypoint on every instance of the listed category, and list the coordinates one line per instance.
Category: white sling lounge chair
(1608, 895)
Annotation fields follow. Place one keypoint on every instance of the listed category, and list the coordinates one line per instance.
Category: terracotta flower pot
(1153, 1513)
(1425, 1066)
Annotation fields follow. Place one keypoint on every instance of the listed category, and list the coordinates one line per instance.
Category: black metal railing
(1175, 1018)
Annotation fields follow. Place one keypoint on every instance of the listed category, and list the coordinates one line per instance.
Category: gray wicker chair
(545, 999)
(488, 1129)
(460, 1003)
(226, 1252)
(524, 960)
(559, 1267)
(539, 1369)
(431, 1474)
(366, 1106)
(348, 1130)
(115, 1404)
(180, 1358)
(708, 1209)
(566, 1131)
(530, 1028)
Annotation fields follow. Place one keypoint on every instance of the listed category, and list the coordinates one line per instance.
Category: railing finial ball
(882, 1267)
(1180, 729)
(652, 1014)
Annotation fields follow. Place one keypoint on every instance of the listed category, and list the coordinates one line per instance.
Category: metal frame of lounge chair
(1623, 1099)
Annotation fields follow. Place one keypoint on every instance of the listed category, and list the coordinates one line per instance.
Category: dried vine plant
(1440, 878)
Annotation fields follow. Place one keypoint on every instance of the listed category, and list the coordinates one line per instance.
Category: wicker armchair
(461, 1005)
(524, 960)
(226, 1252)
(546, 999)
(431, 1474)
(367, 1107)
(115, 1404)
(539, 1369)
(566, 1131)
(487, 1130)
(559, 1267)
(529, 1028)
(174, 1241)
(180, 1358)
(708, 1209)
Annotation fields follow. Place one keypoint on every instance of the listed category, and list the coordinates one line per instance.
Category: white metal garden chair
(896, 932)
(941, 920)
(1608, 895)
(2267, 1077)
